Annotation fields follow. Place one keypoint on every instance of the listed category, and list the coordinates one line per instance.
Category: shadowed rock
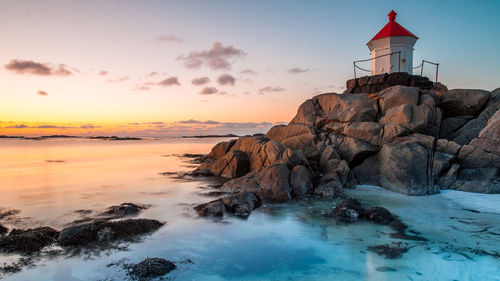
(241, 205)
(29, 240)
(103, 231)
(390, 251)
(458, 102)
(152, 267)
(3, 230)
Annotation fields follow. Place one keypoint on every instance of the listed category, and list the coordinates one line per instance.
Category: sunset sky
(169, 68)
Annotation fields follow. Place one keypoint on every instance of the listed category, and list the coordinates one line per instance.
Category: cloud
(248, 72)
(103, 73)
(121, 79)
(226, 79)
(89, 126)
(215, 58)
(200, 81)
(37, 68)
(42, 93)
(170, 38)
(154, 73)
(270, 89)
(209, 91)
(192, 121)
(20, 126)
(297, 70)
(170, 82)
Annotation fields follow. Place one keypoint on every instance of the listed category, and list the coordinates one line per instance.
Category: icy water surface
(48, 180)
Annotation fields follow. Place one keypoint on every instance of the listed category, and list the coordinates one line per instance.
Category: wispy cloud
(209, 91)
(226, 79)
(89, 126)
(215, 58)
(171, 81)
(38, 68)
(117, 80)
(200, 81)
(248, 72)
(42, 93)
(297, 70)
(103, 73)
(170, 38)
(270, 89)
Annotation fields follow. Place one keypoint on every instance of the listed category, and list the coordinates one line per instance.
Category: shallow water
(49, 180)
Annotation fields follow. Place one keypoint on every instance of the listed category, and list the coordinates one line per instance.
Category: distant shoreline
(111, 137)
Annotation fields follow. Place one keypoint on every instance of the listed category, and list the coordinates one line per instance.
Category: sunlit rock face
(410, 140)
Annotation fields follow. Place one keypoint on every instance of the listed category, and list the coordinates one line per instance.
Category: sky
(171, 68)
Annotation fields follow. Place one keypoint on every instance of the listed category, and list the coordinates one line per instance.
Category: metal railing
(421, 66)
(355, 66)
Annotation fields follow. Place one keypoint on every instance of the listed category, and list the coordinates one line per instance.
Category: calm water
(48, 180)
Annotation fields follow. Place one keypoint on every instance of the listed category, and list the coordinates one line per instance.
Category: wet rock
(214, 208)
(300, 181)
(240, 204)
(152, 267)
(294, 136)
(390, 251)
(474, 157)
(449, 176)
(481, 180)
(379, 215)
(8, 213)
(29, 240)
(349, 210)
(458, 102)
(123, 210)
(104, 231)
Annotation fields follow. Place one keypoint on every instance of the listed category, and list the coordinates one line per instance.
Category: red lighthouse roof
(392, 28)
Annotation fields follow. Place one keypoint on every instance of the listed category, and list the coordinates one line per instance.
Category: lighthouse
(391, 49)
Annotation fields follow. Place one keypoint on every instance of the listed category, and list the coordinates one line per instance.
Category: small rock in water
(152, 267)
(389, 251)
(103, 231)
(123, 210)
(29, 240)
(379, 215)
(385, 269)
(240, 204)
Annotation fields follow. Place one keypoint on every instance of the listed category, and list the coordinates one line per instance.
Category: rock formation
(406, 139)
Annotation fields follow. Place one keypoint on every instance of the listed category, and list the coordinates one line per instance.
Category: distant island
(67, 136)
(212, 136)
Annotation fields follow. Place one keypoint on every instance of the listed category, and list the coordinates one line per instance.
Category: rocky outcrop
(408, 139)
(241, 205)
(104, 231)
(28, 241)
(151, 268)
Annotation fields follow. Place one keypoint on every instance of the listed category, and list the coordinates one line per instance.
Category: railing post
(354, 63)
(422, 69)
(437, 69)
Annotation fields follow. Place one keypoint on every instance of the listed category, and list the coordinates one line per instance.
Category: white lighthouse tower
(391, 49)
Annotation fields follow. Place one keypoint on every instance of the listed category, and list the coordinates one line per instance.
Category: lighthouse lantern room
(391, 50)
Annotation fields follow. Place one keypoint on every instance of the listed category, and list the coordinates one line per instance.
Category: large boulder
(327, 108)
(404, 168)
(411, 117)
(220, 149)
(489, 137)
(352, 150)
(396, 96)
(458, 102)
(474, 157)
(270, 183)
(28, 241)
(232, 165)
(294, 136)
(471, 129)
(481, 180)
(451, 124)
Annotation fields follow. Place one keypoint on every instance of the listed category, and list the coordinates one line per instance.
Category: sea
(55, 181)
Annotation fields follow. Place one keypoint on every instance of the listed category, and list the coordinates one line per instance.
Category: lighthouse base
(376, 83)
